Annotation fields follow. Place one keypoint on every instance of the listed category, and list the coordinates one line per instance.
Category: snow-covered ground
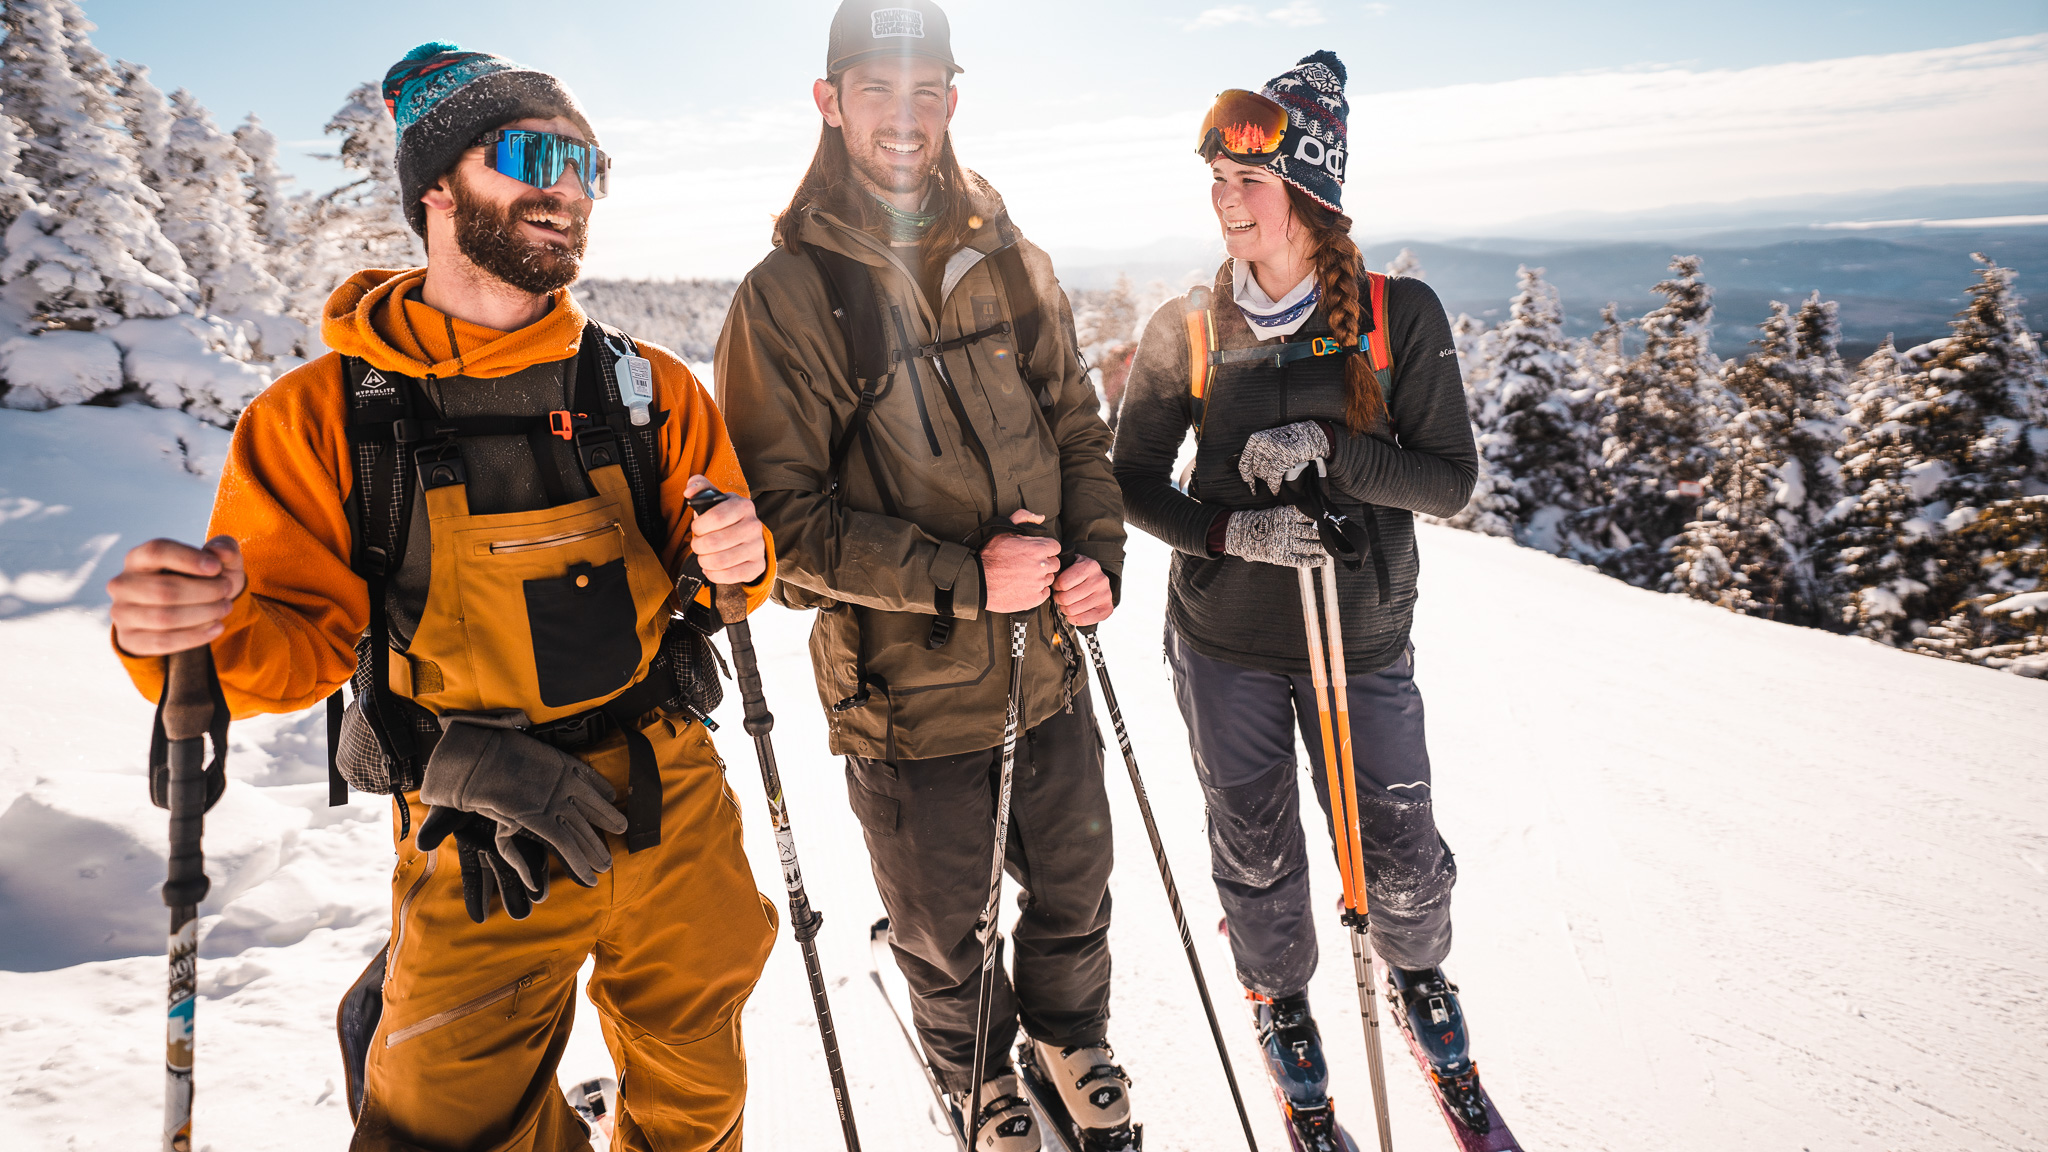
(1724, 884)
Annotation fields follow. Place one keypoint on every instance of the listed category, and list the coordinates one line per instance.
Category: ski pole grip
(188, 693)
(188, 714)
(729, 599)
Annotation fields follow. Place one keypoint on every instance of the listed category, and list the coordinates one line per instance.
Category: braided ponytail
(1338, 270)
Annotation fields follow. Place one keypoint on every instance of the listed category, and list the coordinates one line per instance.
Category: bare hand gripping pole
(1180, 919)
(804, 920)
(187, 714)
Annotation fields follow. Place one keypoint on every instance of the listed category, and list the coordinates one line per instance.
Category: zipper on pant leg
(466, 1009)
(405, 907)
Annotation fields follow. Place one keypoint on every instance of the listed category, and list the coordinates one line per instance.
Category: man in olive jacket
(977, 490)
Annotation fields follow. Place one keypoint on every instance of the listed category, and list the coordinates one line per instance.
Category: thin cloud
(1299, 14)
(1224, 17)
(1296, 14)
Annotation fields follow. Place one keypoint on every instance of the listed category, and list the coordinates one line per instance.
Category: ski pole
(1180, 919)
(1341, 778)
(804, 920)
(984, 1007)
(187, 715)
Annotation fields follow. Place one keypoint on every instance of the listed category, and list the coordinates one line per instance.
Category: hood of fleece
(363, 309)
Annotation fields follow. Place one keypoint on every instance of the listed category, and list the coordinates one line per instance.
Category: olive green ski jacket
(958, 440)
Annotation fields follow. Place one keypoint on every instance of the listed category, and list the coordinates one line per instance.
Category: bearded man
(475, 508)
(908, 403)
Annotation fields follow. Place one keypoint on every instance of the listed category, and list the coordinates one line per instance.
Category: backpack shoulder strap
(1201, 330)
(850, 291)
(381, 427)
(598, 361)
(1025, 314)
(1378, 342)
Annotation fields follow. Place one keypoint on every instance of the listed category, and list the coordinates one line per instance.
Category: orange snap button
(583, 581)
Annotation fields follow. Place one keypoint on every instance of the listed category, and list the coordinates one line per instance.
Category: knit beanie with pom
(1315, 146)
(443, 98)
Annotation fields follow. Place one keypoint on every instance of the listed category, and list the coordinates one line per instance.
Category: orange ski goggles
(1244, 126)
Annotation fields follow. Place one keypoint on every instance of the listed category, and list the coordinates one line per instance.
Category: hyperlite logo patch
(374, 387)
(898, 22)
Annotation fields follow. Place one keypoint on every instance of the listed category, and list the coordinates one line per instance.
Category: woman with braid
(1390, 444)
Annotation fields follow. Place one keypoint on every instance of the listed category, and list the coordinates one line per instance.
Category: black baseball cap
(864, 30)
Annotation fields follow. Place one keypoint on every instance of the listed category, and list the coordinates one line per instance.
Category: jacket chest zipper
(504, 546)
(465, 1009)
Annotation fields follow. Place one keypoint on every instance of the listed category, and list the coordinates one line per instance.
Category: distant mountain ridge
(1906, 280)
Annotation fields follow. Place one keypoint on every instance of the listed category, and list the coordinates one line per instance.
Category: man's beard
(489, 236)
(887, 178)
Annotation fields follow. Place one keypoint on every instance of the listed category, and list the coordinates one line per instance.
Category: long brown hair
(1340, 273)
(830, 184)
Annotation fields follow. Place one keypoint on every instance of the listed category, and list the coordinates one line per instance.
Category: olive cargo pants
(476, 1016)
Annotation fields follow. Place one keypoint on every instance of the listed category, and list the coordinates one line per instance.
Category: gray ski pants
(1241, 726)
(930, 828)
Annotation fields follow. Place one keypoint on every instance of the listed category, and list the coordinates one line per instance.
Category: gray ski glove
(1273, 454)
(1279, 535)
(484, 764)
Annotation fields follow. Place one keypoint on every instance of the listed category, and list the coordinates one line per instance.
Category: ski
(1496, 1137)
(896, 994)
(1312, 1129)
(1063, 1134)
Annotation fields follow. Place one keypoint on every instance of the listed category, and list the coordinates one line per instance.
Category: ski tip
(878, 929)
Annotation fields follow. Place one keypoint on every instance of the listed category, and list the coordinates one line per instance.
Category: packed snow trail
(1724, 883)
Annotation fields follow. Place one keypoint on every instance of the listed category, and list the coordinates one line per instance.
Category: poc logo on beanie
(889, 22)
(1312, 151)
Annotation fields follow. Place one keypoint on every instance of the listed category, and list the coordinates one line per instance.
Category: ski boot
(1090, 1088)
(596, 1101)
(1426, 1008)
(1004, 1123)
(1294, 1059)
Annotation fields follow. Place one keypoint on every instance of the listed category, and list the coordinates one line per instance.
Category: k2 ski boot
(1426, 1007)
(1004, 1123)
(1294, 1059)
(1091, 1095)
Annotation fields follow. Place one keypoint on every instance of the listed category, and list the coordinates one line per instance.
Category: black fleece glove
(485, 873)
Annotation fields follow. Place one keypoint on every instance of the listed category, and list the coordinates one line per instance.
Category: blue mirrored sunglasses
(538, 158)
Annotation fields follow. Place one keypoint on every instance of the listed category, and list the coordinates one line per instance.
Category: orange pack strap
(1380, 348)
(1201, 329)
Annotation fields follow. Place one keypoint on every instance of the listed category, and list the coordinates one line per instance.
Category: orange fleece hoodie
(290, 639)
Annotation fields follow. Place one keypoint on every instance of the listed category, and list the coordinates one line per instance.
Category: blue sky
(1070, 104)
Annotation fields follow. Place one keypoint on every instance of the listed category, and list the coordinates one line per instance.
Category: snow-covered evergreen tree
(148, 116)
(17, 192)
(360, 224)
(1775, 478)
(1928, 457)
(90, 253)
(207, 214)
(1407, 265)
(1535, 434)
(1657, 410)
(274, 215)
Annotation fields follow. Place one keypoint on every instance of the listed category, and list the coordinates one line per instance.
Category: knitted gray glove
(484, 764)
(1272, 454)
(1280, 535)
